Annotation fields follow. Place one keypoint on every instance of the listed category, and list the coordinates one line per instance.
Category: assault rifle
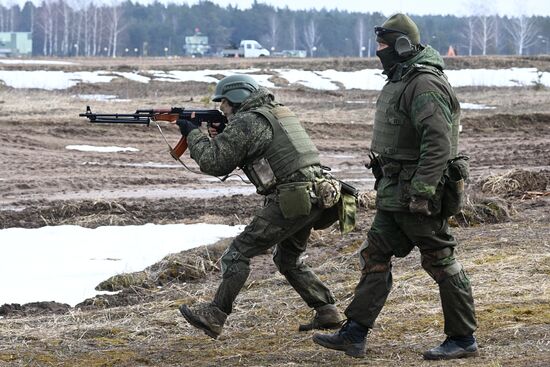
(144, 117)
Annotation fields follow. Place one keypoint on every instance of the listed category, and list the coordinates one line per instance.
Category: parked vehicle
(247, 48)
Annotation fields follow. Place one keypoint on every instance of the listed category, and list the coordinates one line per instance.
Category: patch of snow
(50, 80)
(100, 97)
(35, 62)
(134, 77)
(475, 106)
(91, 148)
(366, 79)
(310, 79)
(65, 263)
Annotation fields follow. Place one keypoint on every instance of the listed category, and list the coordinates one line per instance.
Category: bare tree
(360, 32)
(66, 18)
(486, 32)
(523, 31)
(45, 22)
(293, 35)
(95, 30)
(311, 37)
(116, 28)
(273, 29)
(469, 34)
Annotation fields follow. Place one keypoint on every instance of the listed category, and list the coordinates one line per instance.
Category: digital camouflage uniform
(415, 134)
(248, 137)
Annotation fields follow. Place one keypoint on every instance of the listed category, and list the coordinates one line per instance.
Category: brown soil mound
(508, 122)
(33, 308)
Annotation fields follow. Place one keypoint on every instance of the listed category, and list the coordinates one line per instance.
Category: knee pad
(233, 262)
(440, 264)
(371, 258)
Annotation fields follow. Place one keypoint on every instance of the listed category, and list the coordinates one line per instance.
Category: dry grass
(508, 261)
(509, 276)
(515, 183)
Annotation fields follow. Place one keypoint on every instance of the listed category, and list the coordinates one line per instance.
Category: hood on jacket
(426, 56)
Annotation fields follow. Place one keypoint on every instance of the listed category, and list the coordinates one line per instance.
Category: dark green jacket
(430, 106)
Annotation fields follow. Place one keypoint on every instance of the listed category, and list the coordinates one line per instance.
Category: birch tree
(273, 29)
(469, 34)
(523, 31)
(487, 28)
(360, 32)
(311, 36)
(66, 17)
(45, 22)
(293, 34)
(116, 28)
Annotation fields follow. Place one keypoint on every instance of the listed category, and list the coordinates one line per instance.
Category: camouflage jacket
(429, 103)
(246, 137)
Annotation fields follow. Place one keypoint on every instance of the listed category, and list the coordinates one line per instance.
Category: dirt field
(503, 235)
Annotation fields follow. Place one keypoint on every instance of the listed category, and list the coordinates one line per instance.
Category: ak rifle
(172, 115)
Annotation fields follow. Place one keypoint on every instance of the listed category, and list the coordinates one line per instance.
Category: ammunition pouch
(327, 192)
(347, 208)
(343, 211)
(261, 175)
(294, 199)
(456, 173)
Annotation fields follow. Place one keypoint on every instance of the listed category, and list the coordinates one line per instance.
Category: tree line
(133, 29)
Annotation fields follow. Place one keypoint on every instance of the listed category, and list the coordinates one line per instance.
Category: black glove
(186, 126)
(215, 128)
(420, 206)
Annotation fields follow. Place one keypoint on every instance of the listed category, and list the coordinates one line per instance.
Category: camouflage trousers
(268, 229)
(396, 234)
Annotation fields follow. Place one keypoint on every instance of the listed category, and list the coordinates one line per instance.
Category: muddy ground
(43, 183)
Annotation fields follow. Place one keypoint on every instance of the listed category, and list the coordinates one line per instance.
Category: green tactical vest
(290, 150)
(394, 135)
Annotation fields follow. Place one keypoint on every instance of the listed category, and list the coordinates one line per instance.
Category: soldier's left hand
(186, 126)
(420, 206)
(213, 129)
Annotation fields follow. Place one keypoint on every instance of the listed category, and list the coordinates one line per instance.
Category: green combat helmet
(235, 88)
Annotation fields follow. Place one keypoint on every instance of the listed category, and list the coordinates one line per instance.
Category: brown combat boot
(206, 317)
(326, 317)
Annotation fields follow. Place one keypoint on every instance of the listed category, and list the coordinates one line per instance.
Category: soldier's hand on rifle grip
(214, 129)
(186, 126)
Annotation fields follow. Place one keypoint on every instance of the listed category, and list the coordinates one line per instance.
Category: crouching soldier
(266, 140)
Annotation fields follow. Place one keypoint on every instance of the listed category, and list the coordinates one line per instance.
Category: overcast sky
(387, 7)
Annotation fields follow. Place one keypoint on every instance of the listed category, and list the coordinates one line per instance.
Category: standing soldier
(266, 140)
(415, 136)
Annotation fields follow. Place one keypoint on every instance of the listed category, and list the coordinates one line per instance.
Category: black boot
(351, 338)
(454, 347)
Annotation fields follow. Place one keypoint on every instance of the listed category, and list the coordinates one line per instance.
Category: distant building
(15, 44)
(197, 44)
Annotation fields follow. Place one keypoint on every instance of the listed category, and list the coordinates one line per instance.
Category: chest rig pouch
(261, 174)
(290, 150)
(394, 135)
